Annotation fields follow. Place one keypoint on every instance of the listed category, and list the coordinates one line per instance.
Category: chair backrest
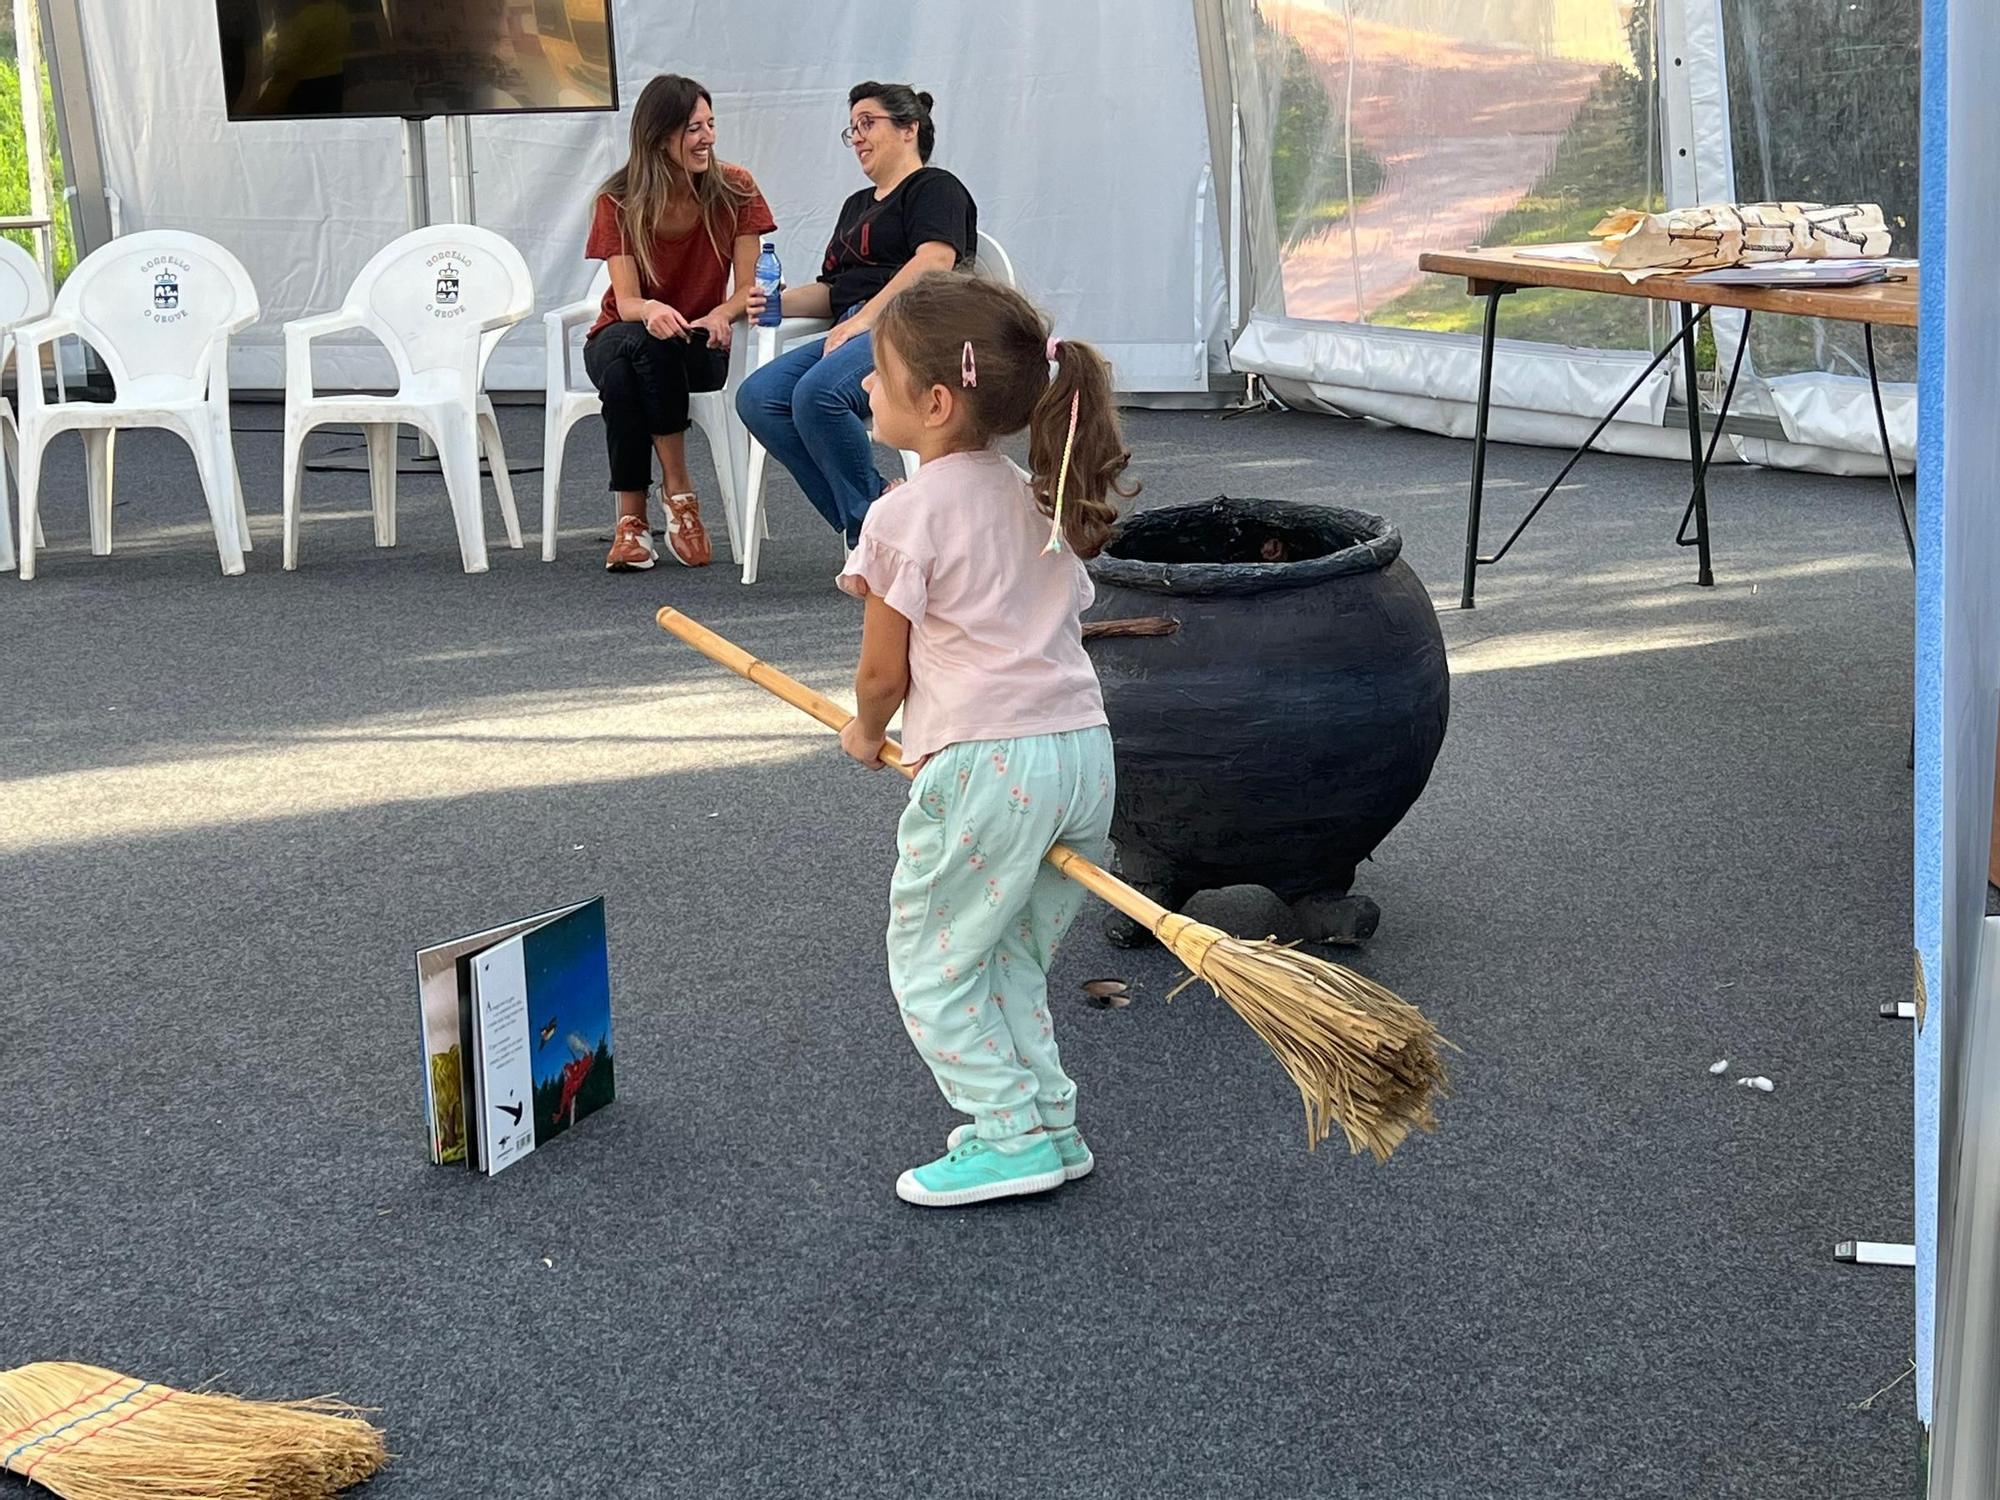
(24, 295)
(992, 262)
(442, 296)
(153, 306)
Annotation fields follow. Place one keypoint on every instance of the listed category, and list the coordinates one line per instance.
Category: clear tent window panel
(1400, 126)
(1823, 109)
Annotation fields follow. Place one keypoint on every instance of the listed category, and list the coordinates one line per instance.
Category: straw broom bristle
(1362, 1057)
(91, 1434)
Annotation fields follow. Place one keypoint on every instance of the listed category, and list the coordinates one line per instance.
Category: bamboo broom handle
(1098, 881)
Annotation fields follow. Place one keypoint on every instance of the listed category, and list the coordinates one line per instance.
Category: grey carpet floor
(1669, 825)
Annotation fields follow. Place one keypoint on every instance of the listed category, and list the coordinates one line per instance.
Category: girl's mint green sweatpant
(976, 916)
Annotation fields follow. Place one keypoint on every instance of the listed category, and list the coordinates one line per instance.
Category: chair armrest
(570, 314)
(299, 334)
(29, 340)
(307, 329)
(43, 331)
(788, 332)
(559, 325)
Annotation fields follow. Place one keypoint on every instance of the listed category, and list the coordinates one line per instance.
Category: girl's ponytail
(1083, 463)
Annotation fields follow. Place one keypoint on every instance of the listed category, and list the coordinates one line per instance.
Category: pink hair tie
(1062, 478)
(968, 373)
(1055, 350)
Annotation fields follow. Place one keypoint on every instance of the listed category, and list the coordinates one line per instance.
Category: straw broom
(1362, 1058)
(91, 1434)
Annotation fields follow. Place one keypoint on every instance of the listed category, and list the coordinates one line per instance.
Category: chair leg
(214, 459)
(456, 434)
(98, 452)
(28, 473)
(496, 460)
(753, 511)
(242, 510)
(382, 480)
(555, 437)
(725, 481)
(8, 448)
(294, 472)
(910, 462)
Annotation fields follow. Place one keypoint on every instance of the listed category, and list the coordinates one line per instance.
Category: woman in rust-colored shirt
(679, 229)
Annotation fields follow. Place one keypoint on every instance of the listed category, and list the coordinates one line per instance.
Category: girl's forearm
(876, 701)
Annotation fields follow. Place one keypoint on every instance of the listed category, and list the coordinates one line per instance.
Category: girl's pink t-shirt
(996, 645)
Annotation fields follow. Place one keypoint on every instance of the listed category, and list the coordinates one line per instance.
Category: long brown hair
(930, 322)
(645, 187)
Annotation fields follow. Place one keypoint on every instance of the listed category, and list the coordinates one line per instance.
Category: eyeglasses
(861, 126)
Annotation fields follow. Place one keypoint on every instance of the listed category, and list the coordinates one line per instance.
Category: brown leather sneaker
(631, 547)
(687, 538)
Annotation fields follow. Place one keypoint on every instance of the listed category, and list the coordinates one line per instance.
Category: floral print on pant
(975, 918)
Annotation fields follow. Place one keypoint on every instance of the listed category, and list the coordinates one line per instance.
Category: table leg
(1705, 575)
(1882, 427)
(1681, 538)
(1480, 418)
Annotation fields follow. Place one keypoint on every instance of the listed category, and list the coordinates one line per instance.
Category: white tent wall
(1321, 345)
(1078, 128)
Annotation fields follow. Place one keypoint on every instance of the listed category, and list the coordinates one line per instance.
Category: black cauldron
(1276, 684)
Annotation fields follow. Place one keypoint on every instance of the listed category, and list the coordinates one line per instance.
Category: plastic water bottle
(769, 274)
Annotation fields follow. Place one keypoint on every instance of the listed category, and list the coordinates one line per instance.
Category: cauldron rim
(1380, 545)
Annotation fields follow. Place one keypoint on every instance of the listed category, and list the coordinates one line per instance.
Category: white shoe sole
(962, 1133)
(912, 1191)
(622, 567)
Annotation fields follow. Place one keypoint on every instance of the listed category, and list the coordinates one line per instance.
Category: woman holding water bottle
(679, 229)
(807, 407)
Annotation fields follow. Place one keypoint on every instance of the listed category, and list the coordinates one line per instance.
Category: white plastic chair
(24, 297)
(991, 262)
(158, 308)
(571, 397)
(439, 299)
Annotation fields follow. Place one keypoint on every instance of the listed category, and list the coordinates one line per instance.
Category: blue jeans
(810, 412)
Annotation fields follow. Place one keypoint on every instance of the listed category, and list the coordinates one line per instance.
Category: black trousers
(644, 384)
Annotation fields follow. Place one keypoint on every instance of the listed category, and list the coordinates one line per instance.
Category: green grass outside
(1599, 165)
(14, 165)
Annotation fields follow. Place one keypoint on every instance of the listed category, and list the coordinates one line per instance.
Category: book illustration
(569, 989)
(517, 1035)
(447, 1105)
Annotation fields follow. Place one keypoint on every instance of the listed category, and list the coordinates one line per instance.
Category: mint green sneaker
(1076, 1158)
(974, 1172)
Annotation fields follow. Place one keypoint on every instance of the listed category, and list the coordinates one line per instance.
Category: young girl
(974, 586)
(678, 228)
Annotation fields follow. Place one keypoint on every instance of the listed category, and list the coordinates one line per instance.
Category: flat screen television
(342, 59)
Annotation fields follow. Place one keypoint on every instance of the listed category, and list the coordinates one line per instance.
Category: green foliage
(14, 165)
(1309, 180)
(1822, 95)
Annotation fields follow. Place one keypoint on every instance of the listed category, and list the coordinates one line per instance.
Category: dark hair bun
(925, 100)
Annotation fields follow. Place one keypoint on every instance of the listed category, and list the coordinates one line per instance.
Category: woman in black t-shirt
(807, 407)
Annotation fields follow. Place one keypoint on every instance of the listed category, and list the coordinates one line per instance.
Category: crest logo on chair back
(446, 267)
(166, 272)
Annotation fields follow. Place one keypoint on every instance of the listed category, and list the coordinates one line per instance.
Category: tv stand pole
(458, 160)
(417, 213)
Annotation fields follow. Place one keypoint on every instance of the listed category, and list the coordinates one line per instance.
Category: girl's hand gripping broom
(1362, 1058)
